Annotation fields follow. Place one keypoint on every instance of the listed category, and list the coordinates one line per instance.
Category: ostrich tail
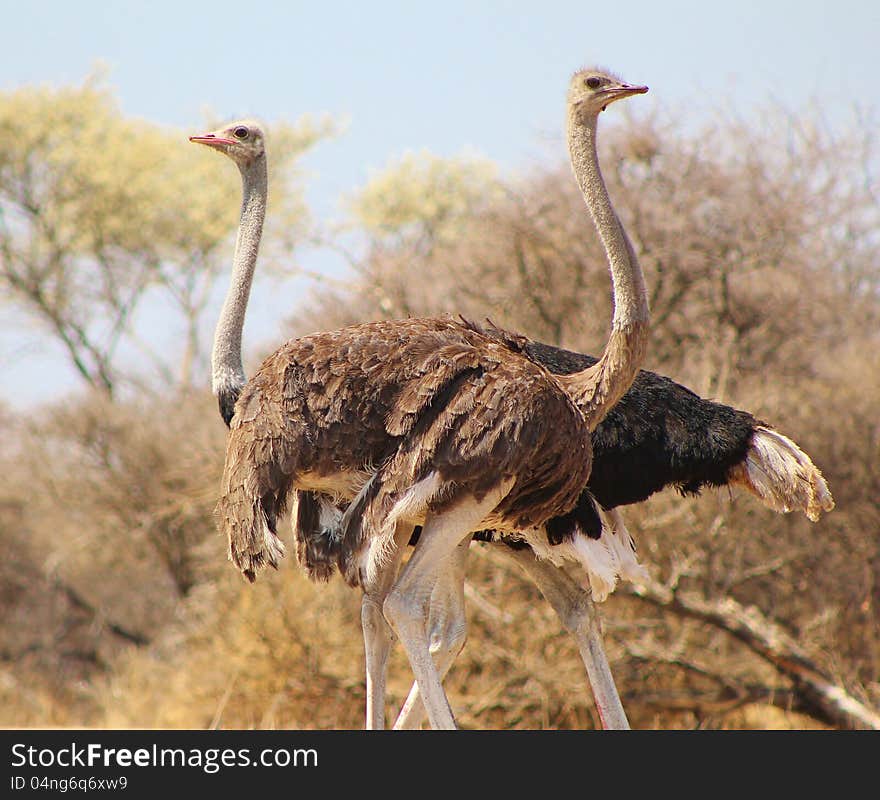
(248, 510)
(782, 475)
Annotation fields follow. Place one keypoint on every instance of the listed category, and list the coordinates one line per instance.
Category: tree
(97, 211)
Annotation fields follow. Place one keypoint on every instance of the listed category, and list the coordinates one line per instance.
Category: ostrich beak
(623, 90)
(620, 91)
(211, 139)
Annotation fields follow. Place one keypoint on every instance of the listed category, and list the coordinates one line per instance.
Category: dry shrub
(104, 508)
(283, 653)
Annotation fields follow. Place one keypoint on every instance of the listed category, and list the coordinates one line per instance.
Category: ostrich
(659, 435)
(421, 421)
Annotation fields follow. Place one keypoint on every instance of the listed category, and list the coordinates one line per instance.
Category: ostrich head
(243, 141)
(592, 90)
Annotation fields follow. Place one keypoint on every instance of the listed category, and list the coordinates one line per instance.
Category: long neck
(228, 378)
(598, 388)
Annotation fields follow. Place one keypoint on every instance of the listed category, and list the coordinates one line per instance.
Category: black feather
(660, 434)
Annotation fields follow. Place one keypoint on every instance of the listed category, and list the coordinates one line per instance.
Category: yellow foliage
(424, 189)
(97, 207)
(101, 179)
(283, 653)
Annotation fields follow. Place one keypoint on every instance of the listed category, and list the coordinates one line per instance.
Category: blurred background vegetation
(761, 247)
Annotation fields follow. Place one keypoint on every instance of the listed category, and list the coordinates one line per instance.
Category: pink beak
(210, 139)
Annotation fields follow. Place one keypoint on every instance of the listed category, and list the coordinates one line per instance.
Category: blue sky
(449, 76)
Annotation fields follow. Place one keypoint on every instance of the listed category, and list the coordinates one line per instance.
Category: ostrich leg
(378, 636)
(578, 614)
(447, 629)
(575, 608)
(406, 607)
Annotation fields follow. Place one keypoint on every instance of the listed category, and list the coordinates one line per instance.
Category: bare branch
(766, 638)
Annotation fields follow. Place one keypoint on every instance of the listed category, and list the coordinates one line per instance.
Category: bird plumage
(416, 396)
(662, 434)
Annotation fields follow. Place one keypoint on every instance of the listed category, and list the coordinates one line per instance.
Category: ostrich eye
(241, 133)
(593, 82)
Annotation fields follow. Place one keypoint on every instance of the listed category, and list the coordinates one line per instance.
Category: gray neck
(228, 376)
(597, 389)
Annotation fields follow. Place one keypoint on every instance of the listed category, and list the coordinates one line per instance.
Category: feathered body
(432, 400)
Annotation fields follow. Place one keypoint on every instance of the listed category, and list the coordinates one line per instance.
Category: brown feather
(408, 397)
